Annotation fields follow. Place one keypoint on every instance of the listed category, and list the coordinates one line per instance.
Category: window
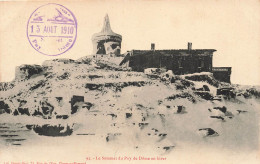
(180, 62)
(201, 63)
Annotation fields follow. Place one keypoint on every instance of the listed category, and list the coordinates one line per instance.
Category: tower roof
(106, 32)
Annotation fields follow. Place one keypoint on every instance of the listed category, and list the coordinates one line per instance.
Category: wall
(222, 74)
(179, 63)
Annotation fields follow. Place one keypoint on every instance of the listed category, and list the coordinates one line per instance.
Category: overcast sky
(231, 27)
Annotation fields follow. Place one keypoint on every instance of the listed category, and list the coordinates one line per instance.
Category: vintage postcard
(149, 81)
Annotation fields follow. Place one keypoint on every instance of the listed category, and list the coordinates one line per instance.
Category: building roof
(178, 52)
(106, 32)
(170, 52)
(174, 51)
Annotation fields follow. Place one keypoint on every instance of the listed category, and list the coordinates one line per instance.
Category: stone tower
(106, 42)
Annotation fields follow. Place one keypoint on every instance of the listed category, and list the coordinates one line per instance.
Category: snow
(136, 135)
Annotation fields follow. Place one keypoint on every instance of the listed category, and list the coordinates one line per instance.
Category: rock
(2, 111)
(24, 111)
(167, 76)
(84, 60)
(4, 86)
(128, 115)
(92, 86)
(252, 92)
(86, 134)
(218, 111)
(62, 116)
(87, 105)
(222, 109)
(112, 115)
(203, 88)
(206, 88)
(142, 125)
(64, 76)
(64, 60)
(155, 130)
(164, 150)
(207, 77)
(182, 95)
(155, 71)
(116, 86)
(241, 111)
(111, 136)
(37, 113)
(91, 77)
(182, 84)
(204, 94)
(217, 98)
(52, 130)
(76, 99)
(226, 92)
(15, 113)
(208, 132)
(4, 108)
(161, 115)
(179, 109)
(218, 117)
(229, 114)
(162, 135)
(29, 127)
(198, 89)
(168, 148)
(47, 109)
(27, 71)
(57, 62)
(39, 84)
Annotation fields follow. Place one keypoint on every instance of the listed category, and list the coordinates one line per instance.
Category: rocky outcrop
(101, 93)
(252, 92)
(112, 136)
(57, 62)
(64, 76)
(4, 86)
(218, 117)
(115, 86)
(4, 108)
(182, 84)
(221, 111)
(84, 60)
(228, 93)
(53, 130)
(179, 109)
(27, 71)
(204, 94)
(203, 77)
(208, 132)
(185, 95)
(102, 64)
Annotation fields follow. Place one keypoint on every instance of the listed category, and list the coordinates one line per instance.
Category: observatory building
(107, 42)
(180, 61)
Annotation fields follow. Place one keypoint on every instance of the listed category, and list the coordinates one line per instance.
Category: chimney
(152, 46)
(189, 46)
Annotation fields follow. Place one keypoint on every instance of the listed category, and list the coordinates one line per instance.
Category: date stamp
(52, 29)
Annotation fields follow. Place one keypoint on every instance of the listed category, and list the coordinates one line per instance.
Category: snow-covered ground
(131, 114)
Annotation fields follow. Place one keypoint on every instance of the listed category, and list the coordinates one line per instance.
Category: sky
(231, 27)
